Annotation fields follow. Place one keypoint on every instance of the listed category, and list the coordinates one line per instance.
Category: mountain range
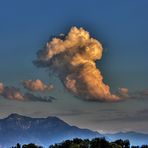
(46, 131)
(42, 131)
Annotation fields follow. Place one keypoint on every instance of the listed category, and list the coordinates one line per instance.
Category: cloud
(73, 61)
(13, 93)
(32, 97)
(36, 85)
(144, 93)
(1, 88)
(123, 92)
(140, 94)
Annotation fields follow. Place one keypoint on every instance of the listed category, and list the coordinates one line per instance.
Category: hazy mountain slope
(43, 131)
(134, 137)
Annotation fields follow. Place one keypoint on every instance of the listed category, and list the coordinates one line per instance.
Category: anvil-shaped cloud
(73, 61)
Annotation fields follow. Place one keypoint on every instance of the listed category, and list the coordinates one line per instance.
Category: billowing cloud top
(73, 60)
(36, 85)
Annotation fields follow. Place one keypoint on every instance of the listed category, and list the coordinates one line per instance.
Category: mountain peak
(14, 115)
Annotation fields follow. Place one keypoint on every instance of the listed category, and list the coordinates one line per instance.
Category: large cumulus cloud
(73, 61)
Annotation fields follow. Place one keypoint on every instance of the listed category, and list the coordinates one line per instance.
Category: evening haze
(32, 83)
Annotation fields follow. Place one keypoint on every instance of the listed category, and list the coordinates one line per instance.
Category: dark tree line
(86, 143)
(94, 143)
(31, 145)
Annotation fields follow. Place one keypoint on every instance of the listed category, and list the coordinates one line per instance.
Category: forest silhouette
(85, 143)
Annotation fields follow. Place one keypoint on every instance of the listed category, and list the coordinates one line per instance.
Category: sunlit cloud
(13, 93)
(1, 87)
(36, 85)
(73, 61)
(123, 92)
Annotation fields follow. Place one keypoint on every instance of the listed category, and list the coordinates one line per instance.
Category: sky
(120, 27)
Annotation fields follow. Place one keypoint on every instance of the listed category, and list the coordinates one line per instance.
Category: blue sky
(121, 27)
